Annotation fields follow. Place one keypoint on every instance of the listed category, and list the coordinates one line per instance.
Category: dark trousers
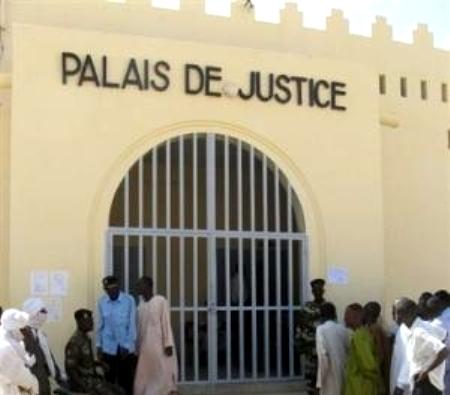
(121, 371)
(424, 387)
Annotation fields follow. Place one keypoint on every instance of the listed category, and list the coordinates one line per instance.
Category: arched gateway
(218, 226)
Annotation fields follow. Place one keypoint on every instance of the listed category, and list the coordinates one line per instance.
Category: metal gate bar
(182, 257)
(211, 275)
(155, 216)
(265, 255)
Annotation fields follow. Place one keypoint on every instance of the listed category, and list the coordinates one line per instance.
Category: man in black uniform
(81, 366)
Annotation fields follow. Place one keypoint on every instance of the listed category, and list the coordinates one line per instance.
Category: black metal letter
(281, 84)
(212, 73)
(299, 85)
(337, 89)
(132, 76)
(258, 85)
(188, 68)
(105, 82)
(326, 85)
(66, 58)
(251, 90)
(161, 70)
(88, 72)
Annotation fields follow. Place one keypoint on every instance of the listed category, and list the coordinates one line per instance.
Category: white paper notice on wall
(55, 309)
(59, 283)
(338, 275)
(39, 283)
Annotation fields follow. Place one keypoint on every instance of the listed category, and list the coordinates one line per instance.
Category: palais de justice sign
(208, 80)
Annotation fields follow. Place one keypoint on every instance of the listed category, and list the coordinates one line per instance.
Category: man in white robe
(15, 376)
(332, 344)
(36, 344)
(399, 374)
(425, 351)
(443, 321)
(157, 369)
(399, 377)
(38, 312)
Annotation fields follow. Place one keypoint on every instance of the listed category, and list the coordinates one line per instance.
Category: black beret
(110, 282)
(82, 314)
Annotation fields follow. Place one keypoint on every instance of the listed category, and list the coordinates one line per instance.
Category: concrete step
(297, 388)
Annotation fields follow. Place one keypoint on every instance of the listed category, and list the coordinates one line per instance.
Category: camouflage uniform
(81, 368)
(309, 320)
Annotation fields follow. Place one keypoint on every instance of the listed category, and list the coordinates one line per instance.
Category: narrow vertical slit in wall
(423, 90)
(444, 93)
(403, 87)
(382, 84)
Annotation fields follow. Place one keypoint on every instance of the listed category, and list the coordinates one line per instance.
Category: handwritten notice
(39, 283)
(59, 283)
(55, 309)
(338, 275)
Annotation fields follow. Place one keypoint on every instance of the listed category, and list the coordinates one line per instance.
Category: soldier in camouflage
(81, 366)
(309, 320)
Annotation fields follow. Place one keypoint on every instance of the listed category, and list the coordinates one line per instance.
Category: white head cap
(13, 319)
(33, 306)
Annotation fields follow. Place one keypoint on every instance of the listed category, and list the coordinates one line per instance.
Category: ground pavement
(246, 389)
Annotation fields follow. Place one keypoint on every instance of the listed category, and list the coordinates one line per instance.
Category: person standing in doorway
(332, 342)
(309, 320)
(157, 369)
(116, 334)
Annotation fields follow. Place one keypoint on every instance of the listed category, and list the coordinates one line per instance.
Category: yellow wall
(75, 144)
(5, 111)
(416, 161)
(376, 198)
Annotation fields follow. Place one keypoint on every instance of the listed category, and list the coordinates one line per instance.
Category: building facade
(230, 159)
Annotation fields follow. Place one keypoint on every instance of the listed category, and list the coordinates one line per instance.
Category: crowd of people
(135, 349)
(136, 353)
(364, 357)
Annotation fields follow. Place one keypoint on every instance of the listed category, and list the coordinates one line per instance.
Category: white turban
(33, 306)
(13, 319)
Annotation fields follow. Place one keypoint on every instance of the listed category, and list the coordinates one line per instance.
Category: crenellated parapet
(290, 17)
(422, 36)
(337, 23)
(390, 58)
(381, 30)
